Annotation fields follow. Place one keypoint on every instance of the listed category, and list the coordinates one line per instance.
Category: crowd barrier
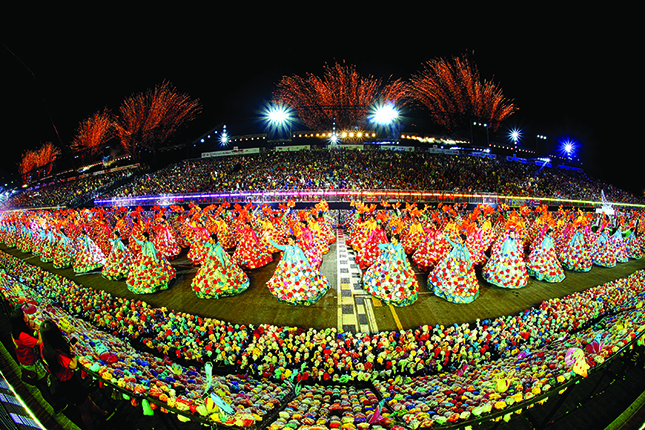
(347, 196)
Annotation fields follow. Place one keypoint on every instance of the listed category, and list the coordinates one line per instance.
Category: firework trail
(454, 93)
(94, 133)
(150, 118)
(38, 163)
(341, 96)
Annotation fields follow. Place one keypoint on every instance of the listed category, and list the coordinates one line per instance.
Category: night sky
(569, 77)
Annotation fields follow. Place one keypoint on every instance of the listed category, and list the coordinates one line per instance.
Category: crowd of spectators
(368, 170)
(63, 193)
(333, 169)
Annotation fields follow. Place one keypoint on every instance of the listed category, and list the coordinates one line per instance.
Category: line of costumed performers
(505, 246)
(138, 246)
(393, 245)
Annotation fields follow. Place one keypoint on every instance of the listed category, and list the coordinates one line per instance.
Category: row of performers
(144, 262)
(507, 252)
(449, 252)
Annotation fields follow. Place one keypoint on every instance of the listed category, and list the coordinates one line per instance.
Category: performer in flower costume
(575, 254)
(119, 260)
(320, 240)
(248, 253)
(618, 244)
(10, 237)
(603, 253)
(370, 251)
(163, 238)
(269, 234)
(414, 234)
(453, 278)
(49, 246)
(631, 244)
(65, 251)
(391, 278)
(432, 250)
(150, 272)
(479, 241)
(295, 280)
(102, 231)
(40, 237)
(362, 232)
(24, 242)
(89, 256)
(506, 267)
(543, 262)
(218, 275)
(136, 232)
(198, 237)
(179, 228)
(305, 240)
(226, 239)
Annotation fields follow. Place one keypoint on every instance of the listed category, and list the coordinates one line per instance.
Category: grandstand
(442, 392)
(438, 167)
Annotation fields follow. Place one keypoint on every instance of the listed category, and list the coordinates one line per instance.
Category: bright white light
(515, 135)
(278, 114)
(568, 147)
(385, 114)
(278, 118)
(223, 139)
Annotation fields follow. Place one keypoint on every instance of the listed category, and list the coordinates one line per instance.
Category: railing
(345, 196)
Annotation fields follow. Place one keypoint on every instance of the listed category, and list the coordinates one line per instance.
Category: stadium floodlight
(568, 147)
(515, 135)
(385, 114)
(223, 138)
(278, 117)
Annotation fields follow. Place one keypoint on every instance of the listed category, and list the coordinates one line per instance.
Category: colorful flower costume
(248, 254)
(198, 237)
(306, 243)
(150, 272)
(224, 236)
(603, 254)
(543, 262)
(633, 248)
(361, 233)
(24, 242)
(218, 276)
(432, 250)
(370, 251)
(117, 265)
(619, 247)
(391, 278)
(48, 247)
(453, 278)
(575, 255)
(295, 280)
(506, 267)
(413, 238)
(65, 252)
(89, 255)
(164, 240)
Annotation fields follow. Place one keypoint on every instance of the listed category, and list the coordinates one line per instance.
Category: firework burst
(150, 118)
(93, 133)
(38, 163)
(341, 96)
(455, 94)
